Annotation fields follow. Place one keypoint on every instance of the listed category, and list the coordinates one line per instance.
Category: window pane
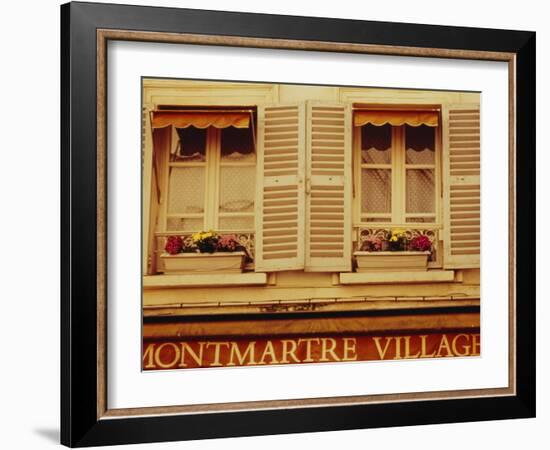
(237, 144)
(420, 191)
(376, 191)
(374, 156)
(186, 190)
(420, 219)
(184, 224)
(236, 223)
(192, 145)
(237, 188)
(377, 219)
(376, 144)
(420, 144)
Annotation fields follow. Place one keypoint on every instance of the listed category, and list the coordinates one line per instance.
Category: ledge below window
(430, 276)
(205, 280)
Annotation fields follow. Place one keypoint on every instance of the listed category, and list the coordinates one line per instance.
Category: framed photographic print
(277, 224)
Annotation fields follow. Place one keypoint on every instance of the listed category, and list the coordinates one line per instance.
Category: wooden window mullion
(398, 174)
(211, 179)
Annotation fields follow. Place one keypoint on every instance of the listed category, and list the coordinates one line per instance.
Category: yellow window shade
(202, 119)
(396, 118)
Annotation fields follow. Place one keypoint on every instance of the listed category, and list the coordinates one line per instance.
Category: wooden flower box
(189, 263)
(402, 261)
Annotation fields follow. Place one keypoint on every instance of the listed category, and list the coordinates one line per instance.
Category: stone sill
(205, 280)
(429, 276)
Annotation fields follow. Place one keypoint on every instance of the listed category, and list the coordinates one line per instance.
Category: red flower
(174, 244)
(421, 243)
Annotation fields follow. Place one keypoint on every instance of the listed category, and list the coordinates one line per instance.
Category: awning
(395, 118)
(201, 119)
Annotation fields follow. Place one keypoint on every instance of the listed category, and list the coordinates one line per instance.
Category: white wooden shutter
(280, 210)
(328, 188)
(461, 183)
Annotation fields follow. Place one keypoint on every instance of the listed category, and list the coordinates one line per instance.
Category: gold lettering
(423, 350)
(269, 351)
(444, 344)
(382, 352)
(475, 345)
(287, 352)
(172, 363)
(217, 346)
(325, 349)
(308, 342)
(397, 348)
(248, 353)
(466, 348)
(408, 349)
(148, 354)
(185, 347)
(350, 353)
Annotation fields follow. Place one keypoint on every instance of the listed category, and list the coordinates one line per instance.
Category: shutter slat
(280, 209)
(286, 232)
(281, 165)
(465, 202)
(279, 247)
(462, 158)
(457, 124)
(328, 205)
(462, 163)
(326, 232)
(276, 240)
(280, 136)
(275, 173)
(281, 157)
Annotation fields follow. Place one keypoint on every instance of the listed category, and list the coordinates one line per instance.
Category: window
(398, 174)
(313, 176)
(211, 181)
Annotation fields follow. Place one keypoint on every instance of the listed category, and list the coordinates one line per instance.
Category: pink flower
(227, 243)
(372, 244)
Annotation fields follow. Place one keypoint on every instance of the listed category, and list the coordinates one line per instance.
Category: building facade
(329, 192)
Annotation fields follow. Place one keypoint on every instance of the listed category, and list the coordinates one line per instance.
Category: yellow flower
(201, 235)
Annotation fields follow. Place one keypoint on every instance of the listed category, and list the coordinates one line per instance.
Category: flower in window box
(228, 243)
(421, 243)
(372, 244)
(174, 245)
(205, 241)
(397, 240)
(189, 246)
(203, 252)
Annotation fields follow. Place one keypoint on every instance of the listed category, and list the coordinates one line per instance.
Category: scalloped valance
(396, 118)
(201, 119)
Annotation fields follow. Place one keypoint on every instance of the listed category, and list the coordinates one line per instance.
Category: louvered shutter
(461, 182)
(328, 188)
(280, 210)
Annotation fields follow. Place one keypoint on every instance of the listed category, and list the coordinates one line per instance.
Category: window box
(188, 263)
(405, 261)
